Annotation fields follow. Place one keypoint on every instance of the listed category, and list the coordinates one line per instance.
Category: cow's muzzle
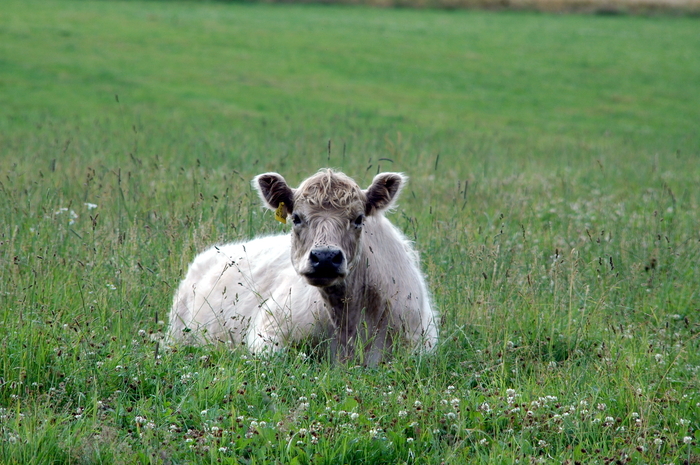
(326, 266)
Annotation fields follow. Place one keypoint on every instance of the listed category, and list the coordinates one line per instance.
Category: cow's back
(246, 293)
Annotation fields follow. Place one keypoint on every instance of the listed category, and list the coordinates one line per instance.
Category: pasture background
(553, 196)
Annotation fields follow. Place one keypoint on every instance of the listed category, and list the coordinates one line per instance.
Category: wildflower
(485, 407)
(687, 440)
(510, 392)
(484, 442)
(409, 440)
(418, 404)
(659, 358)
(354, 416)
(90, 206)
(139, 420)
(601, 407)
(403, 413)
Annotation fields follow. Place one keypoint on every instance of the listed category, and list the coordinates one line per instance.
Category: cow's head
(328, 212)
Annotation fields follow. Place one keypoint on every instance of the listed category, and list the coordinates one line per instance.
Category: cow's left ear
(273, 190)
(384, 191)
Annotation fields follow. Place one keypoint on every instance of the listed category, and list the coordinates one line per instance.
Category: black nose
(326, 261)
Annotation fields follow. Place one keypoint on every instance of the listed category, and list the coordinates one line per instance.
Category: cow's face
(328, 213)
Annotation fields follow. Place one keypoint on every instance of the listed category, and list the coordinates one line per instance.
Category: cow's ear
(273, 190)
(384, 191)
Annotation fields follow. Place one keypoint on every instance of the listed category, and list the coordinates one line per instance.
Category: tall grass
(557, 226)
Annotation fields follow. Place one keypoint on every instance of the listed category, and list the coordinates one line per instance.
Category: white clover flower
(354, 416)
(687, 440)
(455, 402)
(683, 422)
(484, 442)
(601, 407)
(418, 404)
(90, 206)
(658, 442)
(403, 413)
(139, 420)
(510, 392)
(409, 440)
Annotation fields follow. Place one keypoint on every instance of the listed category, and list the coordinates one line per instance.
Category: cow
(344, 275)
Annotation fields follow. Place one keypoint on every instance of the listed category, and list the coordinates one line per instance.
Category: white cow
(345, 275)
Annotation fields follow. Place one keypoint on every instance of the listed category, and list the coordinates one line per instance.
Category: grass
(553, 197)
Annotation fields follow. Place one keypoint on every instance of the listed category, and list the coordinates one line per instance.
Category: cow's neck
(358, 312)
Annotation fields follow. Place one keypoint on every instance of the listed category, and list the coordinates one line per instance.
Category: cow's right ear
(273, 190)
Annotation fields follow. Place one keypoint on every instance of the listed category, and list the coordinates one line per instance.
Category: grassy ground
(553, 196)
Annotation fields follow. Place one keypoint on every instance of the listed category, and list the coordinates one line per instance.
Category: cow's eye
(296, 219)
(359, 220)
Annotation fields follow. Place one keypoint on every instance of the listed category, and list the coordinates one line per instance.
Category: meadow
(553, 196)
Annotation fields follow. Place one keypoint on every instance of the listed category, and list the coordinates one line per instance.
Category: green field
(554, 197)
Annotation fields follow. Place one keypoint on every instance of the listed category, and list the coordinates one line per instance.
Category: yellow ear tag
(281, 213)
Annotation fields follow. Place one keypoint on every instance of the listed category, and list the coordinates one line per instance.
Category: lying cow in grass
(345, 274)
